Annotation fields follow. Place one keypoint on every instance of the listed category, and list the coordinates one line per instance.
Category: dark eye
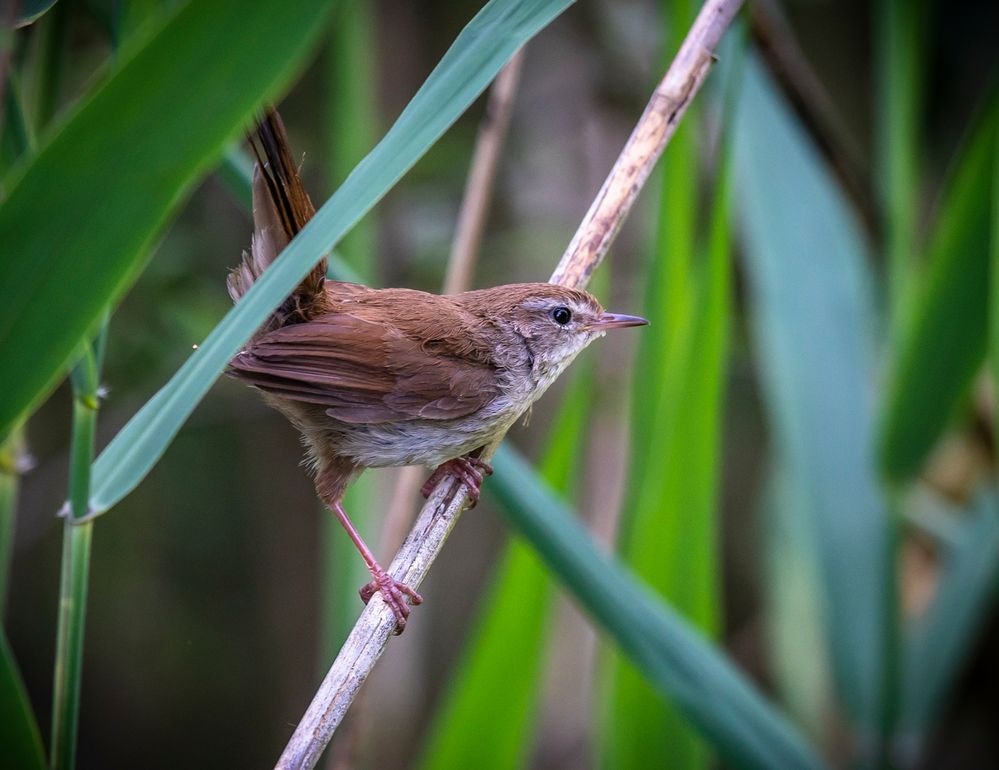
(561, 315)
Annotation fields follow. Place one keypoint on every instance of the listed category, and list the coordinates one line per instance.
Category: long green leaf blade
(943, 340)
(813, 317)
(703, 685)
(900, 87)
(798, 651)
(79, 220)
(474, 59)
(19, 735)
(939, 641)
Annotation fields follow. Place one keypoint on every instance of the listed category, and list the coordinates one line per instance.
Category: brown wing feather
(365, 370)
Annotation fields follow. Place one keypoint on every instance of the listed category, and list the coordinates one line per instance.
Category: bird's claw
(394, 593)
(470, 471)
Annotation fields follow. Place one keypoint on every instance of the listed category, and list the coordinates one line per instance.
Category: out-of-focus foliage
(78, 220)
(942, 339)
(18, 730)
(815, 324)
(676, 660)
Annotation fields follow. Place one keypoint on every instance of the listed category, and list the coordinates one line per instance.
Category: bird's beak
(616, 321)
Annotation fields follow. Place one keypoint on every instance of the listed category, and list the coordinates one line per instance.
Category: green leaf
(939, 641)
(731, 714)
(496, 687)
(19, 735)
(901, 30)
(813, 318)
(474, 59)
(994, 283)
(80, 218)
(797, 652)
(30, 11)
(943, 340)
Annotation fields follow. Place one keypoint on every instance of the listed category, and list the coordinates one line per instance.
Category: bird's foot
(468, 470)
(394, 593)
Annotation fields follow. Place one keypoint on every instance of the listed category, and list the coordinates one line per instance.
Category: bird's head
(555, 322)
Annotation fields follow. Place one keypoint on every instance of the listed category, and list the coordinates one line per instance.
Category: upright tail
(281, 207)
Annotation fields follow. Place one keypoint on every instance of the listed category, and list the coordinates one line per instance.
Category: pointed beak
(616, 321)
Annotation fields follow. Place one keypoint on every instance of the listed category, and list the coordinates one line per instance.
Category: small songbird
(388, 377)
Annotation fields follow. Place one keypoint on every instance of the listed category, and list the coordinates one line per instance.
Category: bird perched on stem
(388, 377)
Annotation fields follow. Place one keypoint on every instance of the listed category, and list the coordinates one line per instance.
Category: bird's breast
(423, 442)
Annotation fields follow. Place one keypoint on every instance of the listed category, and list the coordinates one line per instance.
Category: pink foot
(394, 593)
(468, 470)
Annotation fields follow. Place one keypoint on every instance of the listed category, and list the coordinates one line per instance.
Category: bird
(377, 378)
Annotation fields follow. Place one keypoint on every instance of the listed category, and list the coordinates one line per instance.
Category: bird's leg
(393, 591)
(468, 470)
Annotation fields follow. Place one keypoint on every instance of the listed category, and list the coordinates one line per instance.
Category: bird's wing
(365, 371)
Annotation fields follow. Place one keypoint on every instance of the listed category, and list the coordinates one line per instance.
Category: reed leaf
(813, 317)
(938, 642)
(19, 734)
(943, 337)
(78, 220)
(725, 708)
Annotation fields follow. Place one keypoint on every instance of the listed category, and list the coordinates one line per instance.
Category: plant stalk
(75, 575)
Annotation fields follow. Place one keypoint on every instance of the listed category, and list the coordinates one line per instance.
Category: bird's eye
(561, 315)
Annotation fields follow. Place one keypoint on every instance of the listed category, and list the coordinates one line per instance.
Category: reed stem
(75, 572)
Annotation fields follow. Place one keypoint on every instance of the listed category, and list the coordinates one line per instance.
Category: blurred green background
(798, 455)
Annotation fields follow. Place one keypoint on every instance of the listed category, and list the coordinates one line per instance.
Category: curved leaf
(943, 339)
(19, 736)
(728, 711)
(814, 320)
(939, 641)
(79, 219)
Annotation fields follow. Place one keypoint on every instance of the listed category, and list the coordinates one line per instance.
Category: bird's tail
(281, 207)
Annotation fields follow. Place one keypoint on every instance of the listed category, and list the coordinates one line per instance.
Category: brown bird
(388, 377)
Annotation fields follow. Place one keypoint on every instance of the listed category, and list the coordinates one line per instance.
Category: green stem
(75, 562)
(12, 455)
(69, 649)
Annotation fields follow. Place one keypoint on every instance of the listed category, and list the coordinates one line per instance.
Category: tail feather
(281, 208)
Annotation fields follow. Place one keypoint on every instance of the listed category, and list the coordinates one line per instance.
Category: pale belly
(418, 442)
